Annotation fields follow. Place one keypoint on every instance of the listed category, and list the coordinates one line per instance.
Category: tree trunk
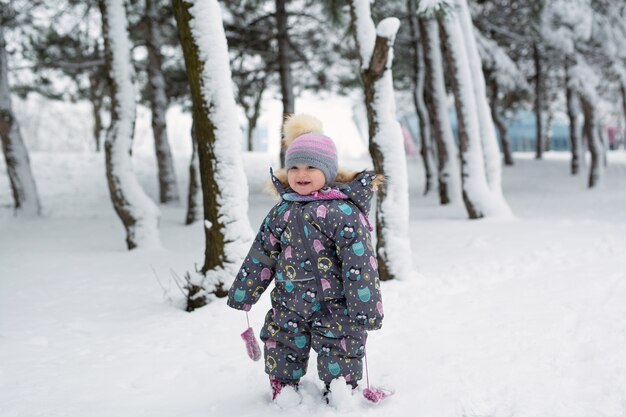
(500, 125)
(385, 140)
(475, 188)
(224, 184)
(623, 88)
(137, 212)
(96, 98)
(252, 115)
(538, 102)
(590, 130)
(573, 109)
(193, 208)
(284, 66)
(547, 132)
(491, 151)
(23, 186)
(168, 186)
(436, 103)
(418, 98)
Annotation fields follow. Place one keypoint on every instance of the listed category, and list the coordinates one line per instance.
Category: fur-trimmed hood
(359, 186)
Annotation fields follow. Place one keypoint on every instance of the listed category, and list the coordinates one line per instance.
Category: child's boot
(287, 388)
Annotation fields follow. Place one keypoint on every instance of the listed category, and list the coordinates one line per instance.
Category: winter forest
(137, 141)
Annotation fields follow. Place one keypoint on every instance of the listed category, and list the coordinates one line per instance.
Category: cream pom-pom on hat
(306, 144)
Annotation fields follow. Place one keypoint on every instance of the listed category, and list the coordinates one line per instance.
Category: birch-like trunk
(538, 102)
(135, 209)
(385, 140)
(20, 175)
(436, 102)
(224, 185)
(168, 186)
(284, 67)
(419, 75)
(193, 197)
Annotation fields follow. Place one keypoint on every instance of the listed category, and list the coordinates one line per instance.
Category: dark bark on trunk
(623, 88)
(590, 129)
(25, 196)
(538, 101)
(500, 125)
(432, 97)
(168, 186)
(96, 97)
(572, 114)
(205, 133)
(284, 66)
(454, 68)
(193, 208)
(252, 114)
(418, 97)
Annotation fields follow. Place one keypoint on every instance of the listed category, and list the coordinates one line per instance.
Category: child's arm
(359, 270)
(257, 270)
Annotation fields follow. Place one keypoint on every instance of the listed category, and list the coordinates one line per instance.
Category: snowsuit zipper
(318, 279)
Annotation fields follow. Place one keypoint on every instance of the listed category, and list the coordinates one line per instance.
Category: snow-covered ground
(518, 318)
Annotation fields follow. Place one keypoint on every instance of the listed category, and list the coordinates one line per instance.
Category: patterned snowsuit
(327, 290)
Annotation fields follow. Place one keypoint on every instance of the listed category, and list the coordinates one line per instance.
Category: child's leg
(287, 344)
(340, 352)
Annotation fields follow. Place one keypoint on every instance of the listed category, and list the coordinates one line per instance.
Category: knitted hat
(307, 145)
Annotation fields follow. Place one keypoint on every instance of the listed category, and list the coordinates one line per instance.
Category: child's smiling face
(305, 179)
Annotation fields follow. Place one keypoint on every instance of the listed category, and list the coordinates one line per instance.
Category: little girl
(315, 243)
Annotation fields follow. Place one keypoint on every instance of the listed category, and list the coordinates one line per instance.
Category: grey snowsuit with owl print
(318, 251)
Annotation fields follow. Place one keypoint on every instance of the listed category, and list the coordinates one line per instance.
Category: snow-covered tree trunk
(193, 196)
(419, 75)
(436, 101)
(491, 150)
(168, 186)
(224, 185)
(538, 102)
(374, 46)
(23, 186)
(135, 209)
(479, 200)
(284, 66)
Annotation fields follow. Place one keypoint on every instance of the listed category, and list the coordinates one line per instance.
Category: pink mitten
(375, 395)
(252, 346)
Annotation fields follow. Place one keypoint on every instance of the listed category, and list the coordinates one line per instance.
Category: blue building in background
(521, 130)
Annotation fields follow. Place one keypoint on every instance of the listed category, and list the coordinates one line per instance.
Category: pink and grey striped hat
(310, 148)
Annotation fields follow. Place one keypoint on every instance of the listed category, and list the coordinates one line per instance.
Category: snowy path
(518, 318)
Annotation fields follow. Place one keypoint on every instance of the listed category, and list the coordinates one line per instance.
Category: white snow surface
(504, 318)
(208, 32)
